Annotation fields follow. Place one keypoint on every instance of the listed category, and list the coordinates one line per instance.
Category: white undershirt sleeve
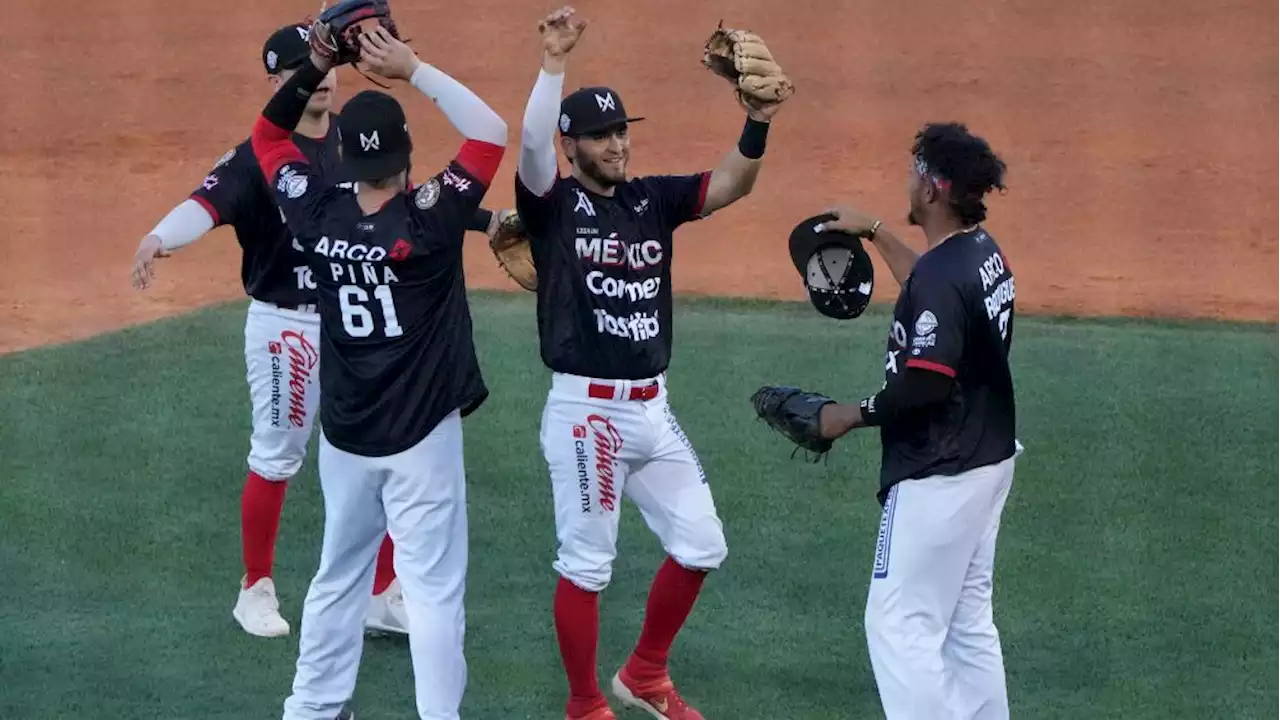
(184, 224)
(470, 115)
(537, 168)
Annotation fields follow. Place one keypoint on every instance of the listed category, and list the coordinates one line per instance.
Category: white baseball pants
(599, 449)
(930, 630)
(419, 497)
(282, 367)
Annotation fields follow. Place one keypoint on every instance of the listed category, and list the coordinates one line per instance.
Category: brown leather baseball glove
(742, 58)
(509, 242)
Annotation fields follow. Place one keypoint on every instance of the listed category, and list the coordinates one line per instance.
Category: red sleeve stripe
(274, 148)
(480, 159)
(209, 208)
(929, 365)
(702, 193)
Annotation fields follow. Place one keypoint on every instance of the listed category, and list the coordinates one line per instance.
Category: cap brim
(602, 127)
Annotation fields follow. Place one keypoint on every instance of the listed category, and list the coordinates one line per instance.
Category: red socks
(671, 599)
(260, 507)
(385, 571)
(577, 613)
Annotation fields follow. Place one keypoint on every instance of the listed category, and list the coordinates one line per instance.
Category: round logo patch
(226, 158)
(427, 195)
(564, 122)
(272, 59)
(926, 323)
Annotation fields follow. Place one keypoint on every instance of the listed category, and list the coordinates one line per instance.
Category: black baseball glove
(335, 35)
(794, 413)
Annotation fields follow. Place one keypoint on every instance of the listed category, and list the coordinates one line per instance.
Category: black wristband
(870, 417)
(752, 142)
(480, 221)
(286, 107)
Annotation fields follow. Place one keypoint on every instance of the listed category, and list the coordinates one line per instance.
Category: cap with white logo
(286, 48)
(375, 136)
(591, 110)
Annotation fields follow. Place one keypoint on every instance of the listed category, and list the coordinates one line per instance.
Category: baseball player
(281, 333)
(602, 245)
(946, 418)
(400, 368)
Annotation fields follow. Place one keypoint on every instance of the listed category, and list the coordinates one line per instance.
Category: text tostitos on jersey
(604, 271)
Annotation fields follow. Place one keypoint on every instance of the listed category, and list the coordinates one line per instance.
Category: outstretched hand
(143, 261)
(383, 54)
(560, 32)
(847, 220)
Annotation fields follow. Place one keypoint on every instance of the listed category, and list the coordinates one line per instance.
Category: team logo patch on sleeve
(427, 195)
(226, 158)
(291, 183)
(926, 323)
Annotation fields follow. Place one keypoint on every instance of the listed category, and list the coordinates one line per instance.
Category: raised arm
(272, 133)
(900, 258)
(537, 167)
(735, 176)
(484, 129)
(742, 57)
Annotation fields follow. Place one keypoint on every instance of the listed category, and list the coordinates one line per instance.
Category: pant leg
(929, 532)
(588, 448)
(972, 651)
(426, 505)
(282, 368)
(332, 635)
(673, 495)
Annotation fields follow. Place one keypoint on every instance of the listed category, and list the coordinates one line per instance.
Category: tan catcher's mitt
(740, 56)
(510, 244)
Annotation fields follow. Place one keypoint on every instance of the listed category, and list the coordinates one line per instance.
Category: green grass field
(1135, 574)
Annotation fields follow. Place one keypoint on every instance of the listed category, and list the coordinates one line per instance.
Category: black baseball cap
(590, 110)
(286, 48)
(837, 271)
(374, 135)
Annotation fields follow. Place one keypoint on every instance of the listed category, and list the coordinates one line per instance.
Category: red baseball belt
(605, 391)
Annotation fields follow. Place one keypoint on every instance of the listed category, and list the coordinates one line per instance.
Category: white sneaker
(258, 611)
(386, 611)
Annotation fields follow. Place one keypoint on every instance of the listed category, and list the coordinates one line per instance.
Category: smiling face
(602, 157)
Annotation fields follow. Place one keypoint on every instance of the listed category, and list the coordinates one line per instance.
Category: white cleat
(386, 611)
(258, 611)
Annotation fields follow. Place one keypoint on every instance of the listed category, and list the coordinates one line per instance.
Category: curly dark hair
(966, 161)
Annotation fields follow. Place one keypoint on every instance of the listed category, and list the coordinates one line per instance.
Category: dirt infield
(1138, 135)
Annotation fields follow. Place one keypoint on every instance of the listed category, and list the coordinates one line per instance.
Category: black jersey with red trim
(234, 193)
(604, 271)
(396, 331)
(954, 316)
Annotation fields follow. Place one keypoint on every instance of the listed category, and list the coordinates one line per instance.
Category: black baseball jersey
(396, 331)
(954, 316)
(235, 193)
(604, 271)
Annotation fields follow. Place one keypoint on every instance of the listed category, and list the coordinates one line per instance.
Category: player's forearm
(735, 176)
(537, 167)
(470, 115)
(915, 391)
(184, 224)
(289, 103)
(900, 258)
(272, 133)
(481, 220)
